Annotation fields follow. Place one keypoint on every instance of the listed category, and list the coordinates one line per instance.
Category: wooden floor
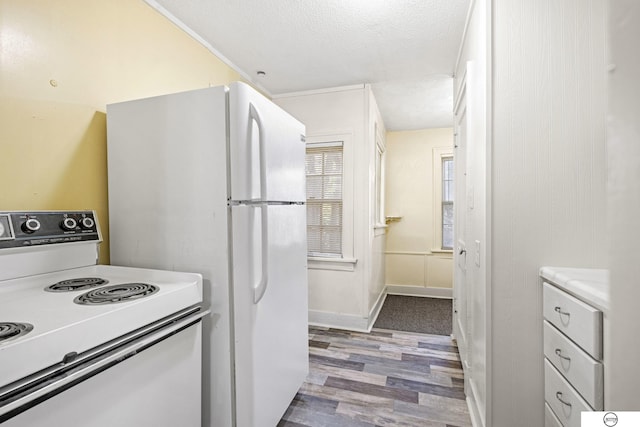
(382, 378)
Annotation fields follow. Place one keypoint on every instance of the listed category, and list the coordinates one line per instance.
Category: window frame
(348, 262)
(438, 154)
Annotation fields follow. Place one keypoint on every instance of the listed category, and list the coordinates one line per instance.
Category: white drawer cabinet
(564, 400)
(581, 322)
(573, 344)
(580, 369)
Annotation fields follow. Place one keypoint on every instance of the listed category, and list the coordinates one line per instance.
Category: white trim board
(467, 22)
(476, 421)
(375, 310)
(328, 319)
(319, 91)
(419, 291)
(349, 322)
(177, 22)
(472, 402)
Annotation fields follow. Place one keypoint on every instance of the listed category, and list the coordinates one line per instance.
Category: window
(447, 202)
(324, 199)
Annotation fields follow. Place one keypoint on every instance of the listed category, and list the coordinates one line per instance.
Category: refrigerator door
(271, 335)
(267, 149)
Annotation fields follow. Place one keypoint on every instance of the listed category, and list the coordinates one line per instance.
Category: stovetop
(62, 323)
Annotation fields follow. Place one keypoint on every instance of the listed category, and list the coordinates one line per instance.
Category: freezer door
(267, 149)
(271, 328)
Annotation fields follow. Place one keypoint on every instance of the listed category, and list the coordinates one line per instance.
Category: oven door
(153, 379)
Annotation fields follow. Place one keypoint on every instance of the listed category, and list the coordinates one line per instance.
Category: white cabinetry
(574, 304)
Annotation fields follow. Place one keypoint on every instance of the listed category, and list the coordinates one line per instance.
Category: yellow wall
(61, 63)
(412, 256)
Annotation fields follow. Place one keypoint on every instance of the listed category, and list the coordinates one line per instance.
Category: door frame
(462, 292)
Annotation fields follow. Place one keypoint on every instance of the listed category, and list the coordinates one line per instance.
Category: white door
(271, 335)
(267, 149)
(463, 297)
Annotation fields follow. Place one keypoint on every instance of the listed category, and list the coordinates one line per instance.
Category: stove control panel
(23, 229)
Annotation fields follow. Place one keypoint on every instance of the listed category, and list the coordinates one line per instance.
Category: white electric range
(92, 345)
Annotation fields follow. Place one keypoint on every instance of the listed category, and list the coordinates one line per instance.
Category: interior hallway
(381, 378)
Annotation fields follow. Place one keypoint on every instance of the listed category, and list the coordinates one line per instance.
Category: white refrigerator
(212, 181)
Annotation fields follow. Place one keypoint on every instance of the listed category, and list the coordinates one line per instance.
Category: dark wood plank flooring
(381, 378)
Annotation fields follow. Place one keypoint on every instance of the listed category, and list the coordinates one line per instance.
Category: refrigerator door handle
(259, 291)
(255, 116)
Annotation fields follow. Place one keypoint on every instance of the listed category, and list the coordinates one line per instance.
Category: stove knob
(87, 222)
(31, 225)
(69, 224)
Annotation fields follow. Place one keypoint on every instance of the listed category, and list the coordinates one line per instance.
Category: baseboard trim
(336, 320)
(474, 412)
(349, 322)
(419, 291)
(375, 310)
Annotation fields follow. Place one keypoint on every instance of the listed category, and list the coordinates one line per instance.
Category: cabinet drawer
(581, 370)
(577, 320)
(562, 398)
(550, 419)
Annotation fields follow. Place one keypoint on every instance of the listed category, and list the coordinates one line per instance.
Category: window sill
(336, 264)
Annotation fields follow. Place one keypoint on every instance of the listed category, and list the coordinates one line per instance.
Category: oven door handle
(35, 391)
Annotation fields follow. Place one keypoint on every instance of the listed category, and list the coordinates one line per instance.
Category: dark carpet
(415, 314)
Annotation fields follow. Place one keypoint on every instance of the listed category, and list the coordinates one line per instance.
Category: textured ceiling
(406, 49)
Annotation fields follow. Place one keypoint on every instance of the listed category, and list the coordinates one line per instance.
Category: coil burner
(79, 284)
(11, 330)
(116, 293)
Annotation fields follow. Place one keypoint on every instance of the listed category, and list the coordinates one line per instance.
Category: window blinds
(324, 199)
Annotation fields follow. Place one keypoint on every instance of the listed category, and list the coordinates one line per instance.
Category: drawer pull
(559, 354)
(562, 313)
(559, 397)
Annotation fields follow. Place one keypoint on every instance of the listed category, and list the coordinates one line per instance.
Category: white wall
(413, 183)
(622, 376)
(537, 160)
(61, 63)
(375, 273)
(548, 178)
(343, 293)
